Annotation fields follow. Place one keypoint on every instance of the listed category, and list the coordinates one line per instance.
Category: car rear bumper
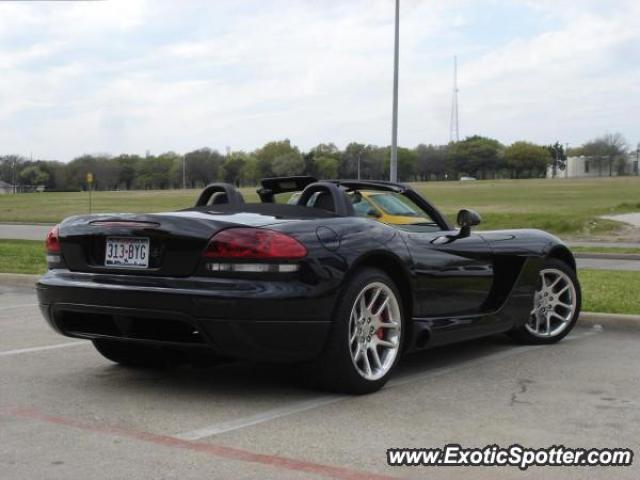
(259, 319)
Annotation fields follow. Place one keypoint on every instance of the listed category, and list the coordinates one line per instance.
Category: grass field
(602, 290)
(22, 256)
(610, 291)
(569, 208)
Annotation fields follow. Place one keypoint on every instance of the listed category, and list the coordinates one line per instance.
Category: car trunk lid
(175, 240)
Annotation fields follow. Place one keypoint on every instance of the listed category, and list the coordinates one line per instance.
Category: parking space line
(302, 406)
(265, 416)
(40, 349)
(6, 307)
(261, 417)
(220, 451)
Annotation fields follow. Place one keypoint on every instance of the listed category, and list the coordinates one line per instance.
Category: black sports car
(327, 280)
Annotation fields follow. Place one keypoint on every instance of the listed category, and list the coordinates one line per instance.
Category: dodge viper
(325, 281)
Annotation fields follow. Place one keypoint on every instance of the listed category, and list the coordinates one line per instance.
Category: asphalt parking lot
(67, 413)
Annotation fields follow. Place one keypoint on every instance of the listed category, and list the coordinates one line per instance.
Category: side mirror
(373, 213)
(467, 219)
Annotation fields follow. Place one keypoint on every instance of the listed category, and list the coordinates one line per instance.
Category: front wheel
(366, 338)
(556, 305)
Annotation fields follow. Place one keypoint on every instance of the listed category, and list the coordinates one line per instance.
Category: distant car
(331, 284)
(467, 179)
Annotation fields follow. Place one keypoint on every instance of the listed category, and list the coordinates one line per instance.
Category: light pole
(393, 165)
(184, 174)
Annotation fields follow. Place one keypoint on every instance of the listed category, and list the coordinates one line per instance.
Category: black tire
(524, 335)
(335, 368)
(131, 354)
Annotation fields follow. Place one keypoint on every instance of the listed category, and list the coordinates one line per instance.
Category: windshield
(391, 208)
(362, 206)
(391, 204)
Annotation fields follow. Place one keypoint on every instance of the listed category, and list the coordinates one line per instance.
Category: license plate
(127, 252)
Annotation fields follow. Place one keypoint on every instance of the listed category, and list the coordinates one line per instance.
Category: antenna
(454, 127)
(393, 162)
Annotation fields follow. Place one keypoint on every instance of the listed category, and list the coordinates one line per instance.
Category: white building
(592, 167)
(5, 187)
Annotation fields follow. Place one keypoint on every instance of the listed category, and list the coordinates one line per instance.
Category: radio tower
(454, 128)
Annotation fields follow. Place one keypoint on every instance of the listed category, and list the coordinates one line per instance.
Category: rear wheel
(556, 305)
(132, 354)
(366, 339)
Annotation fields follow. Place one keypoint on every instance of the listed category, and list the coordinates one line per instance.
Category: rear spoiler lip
(274, 185)
(123, 223)
(371, 184)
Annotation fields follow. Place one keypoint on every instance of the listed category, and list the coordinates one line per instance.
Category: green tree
(288, 164)
(232, 167)
(431, 161)
(353, 153)
(322, 150)
(527, 159)
(7, 164)
(106, 172)
(176, 172)
(407, 163)
(326, 150)
(249, 174)
(57, 175)
(77, 170)
(33, 175)
(155, 172)
(267, 155)
(476, 156)
(203, 166)
(326, 167)
(128, 165)
(371, 158)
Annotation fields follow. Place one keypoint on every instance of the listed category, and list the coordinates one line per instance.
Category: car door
(453, 276)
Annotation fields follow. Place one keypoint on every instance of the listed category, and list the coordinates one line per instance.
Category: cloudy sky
(131, 76)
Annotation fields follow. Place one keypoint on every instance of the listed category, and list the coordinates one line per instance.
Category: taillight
(52, 242)
(52, 246)
(254, 244)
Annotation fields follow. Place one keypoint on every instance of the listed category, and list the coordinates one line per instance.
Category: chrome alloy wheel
(554, 304)
(374, 330)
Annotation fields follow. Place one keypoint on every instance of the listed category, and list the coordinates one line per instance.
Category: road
(607, 264)
(23, 232)
(604, 244)
(66, 413)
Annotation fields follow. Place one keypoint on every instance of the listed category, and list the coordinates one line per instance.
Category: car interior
(379, 201)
